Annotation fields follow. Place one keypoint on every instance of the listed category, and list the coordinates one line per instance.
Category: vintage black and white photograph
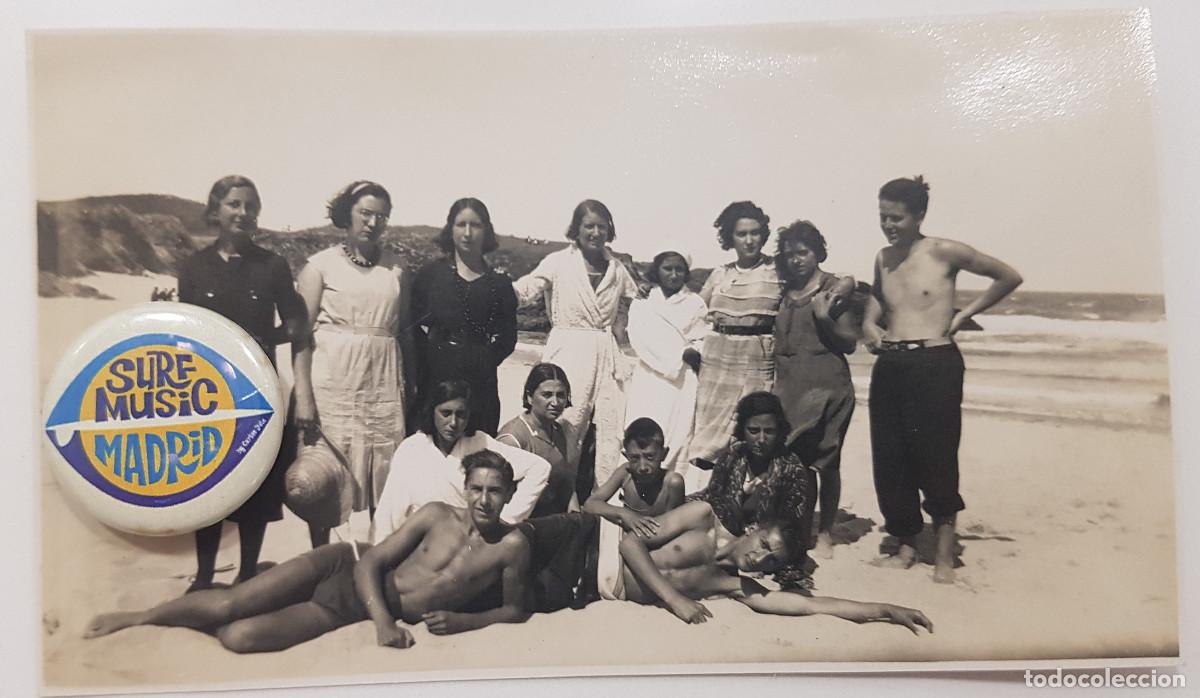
(743, 348)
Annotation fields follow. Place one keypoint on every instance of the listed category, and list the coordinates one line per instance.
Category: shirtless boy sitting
(916, 385)
(647, 488)
(453, 569)
(691, 556)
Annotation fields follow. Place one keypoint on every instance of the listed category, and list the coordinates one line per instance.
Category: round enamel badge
(163, 418)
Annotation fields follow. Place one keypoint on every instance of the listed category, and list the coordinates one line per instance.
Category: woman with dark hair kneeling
(428, 465)
(759, 480)
(541, 430)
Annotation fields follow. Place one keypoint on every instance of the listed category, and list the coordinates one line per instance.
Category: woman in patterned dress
(758, 480)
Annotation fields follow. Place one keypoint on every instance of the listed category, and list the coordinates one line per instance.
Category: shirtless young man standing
(691, 556)
(453, 569)
(916, 385)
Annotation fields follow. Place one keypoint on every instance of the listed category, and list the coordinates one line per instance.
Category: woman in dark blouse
(248, 285)
(468, 311)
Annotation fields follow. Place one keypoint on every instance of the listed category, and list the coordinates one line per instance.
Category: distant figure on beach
(813, 333)
(692, 556)
(583, 287)
(738, 355)
(249, 285)
(469, 310)
(759, 480)
(916, 385)
(452, 568)
(542, 431)
(350, 377)
(666, 330)
(427, 467)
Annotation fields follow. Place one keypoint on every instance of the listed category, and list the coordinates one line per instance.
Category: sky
(1036, 132)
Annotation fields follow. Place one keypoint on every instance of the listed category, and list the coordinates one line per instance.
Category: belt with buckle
(913, 344)
(745, 330)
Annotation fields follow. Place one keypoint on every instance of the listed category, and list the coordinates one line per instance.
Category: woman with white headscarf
(666, 330)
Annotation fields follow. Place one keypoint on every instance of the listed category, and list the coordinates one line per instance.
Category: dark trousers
(916, 421)
(562, 552)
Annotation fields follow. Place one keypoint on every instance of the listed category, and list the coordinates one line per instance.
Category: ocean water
(1090, 358)
(1075, 357)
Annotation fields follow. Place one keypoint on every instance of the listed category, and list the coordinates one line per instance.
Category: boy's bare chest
(689, 551)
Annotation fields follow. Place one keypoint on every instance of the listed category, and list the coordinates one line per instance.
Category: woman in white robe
(583, 286)
(666, 330)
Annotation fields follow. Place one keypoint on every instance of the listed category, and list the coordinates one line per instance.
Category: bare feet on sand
(904, 558)
(107, 623)
(824, 548)
(242, 576)
(943, 561)
(199, 585)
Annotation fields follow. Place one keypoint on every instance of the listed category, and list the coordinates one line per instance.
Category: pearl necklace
(366, 264)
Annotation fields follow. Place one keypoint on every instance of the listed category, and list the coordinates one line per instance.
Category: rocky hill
(140, 233)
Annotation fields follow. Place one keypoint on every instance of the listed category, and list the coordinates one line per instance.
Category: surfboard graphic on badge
(163, 419)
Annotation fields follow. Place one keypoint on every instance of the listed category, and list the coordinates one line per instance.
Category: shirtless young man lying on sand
(691, 556)
(453, 569)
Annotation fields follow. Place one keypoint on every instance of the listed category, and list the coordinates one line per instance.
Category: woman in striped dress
(738, 357)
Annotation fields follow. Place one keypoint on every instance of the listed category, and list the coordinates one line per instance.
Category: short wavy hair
(652, 272)
(913, 193)
(445, 239)
(804, 233)
(540, 373)
(590, 206)
(340, 206)
(759, 403)
(488, 460)
(444, 391)
(735, 212)
(221, 188)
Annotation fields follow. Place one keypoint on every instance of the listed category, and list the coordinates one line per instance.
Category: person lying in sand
(691, 557)
(647, 488)
(454, 569)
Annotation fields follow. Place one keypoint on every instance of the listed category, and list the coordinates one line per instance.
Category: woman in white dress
(666, 330)
(583, 286)
(349, 378)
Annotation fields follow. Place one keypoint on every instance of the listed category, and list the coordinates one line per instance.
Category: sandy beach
(1068, 552)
